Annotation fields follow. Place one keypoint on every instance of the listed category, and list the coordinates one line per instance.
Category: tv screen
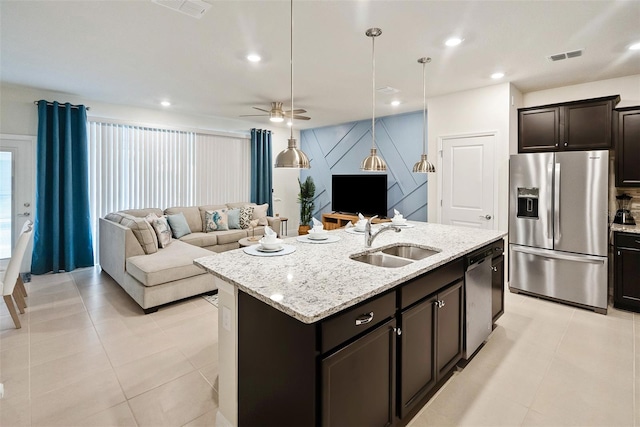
(365, 194)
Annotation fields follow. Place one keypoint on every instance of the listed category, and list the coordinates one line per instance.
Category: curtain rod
(72, 106)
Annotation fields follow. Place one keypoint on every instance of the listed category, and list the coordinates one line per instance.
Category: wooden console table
(331, 221)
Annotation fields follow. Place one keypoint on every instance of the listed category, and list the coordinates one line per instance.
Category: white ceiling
(139, 53)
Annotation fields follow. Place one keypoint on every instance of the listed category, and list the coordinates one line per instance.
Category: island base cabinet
(626, 293)
(358, 381)
(497, 288)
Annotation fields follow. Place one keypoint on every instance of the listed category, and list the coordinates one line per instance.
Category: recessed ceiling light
(165, 103)
(497, 76)
(395, 103)
(635, 46)
(453, 41)
(253, 58)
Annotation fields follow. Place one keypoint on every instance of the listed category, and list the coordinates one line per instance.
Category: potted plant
(305, 198)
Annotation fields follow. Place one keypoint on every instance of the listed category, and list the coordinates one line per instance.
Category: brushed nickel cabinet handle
(364, 319)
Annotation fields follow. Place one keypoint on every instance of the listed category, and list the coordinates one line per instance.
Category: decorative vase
(303, 229)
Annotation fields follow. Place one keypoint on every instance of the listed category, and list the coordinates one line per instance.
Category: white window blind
(134, 167)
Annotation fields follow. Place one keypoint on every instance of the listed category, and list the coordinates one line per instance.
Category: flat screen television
(365, 194)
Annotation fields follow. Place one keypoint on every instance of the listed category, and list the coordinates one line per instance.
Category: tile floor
(87, 356)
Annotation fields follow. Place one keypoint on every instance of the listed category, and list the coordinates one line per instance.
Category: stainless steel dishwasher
(478, 320)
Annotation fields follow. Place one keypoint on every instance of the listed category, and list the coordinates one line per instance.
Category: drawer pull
(364, 319)
(439, 303)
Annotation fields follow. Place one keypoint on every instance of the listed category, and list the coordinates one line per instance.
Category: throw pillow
(233, 215)
(143, 231)
(161, 226)
(246, 215)
(260, 213)
(178, 224)
(150, 218)
(216, 220)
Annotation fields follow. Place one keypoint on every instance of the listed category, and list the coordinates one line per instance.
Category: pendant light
(373, 163)
(292, 157)
(423, 166)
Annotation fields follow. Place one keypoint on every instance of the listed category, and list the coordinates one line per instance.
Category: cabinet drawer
(430, 282)
(356, 320)
(628, 240)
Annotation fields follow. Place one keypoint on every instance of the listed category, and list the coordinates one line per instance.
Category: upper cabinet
(627, 137)
(577, 125)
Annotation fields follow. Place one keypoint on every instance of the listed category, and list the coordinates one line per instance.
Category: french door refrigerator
(558, 226)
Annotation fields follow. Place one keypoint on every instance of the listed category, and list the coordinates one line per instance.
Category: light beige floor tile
(182, 312)
(534, 418)
(428, 418)
(175, 403)
(12, 337)
(13, 359)
(71, 404)
(15, 412)
(210, 373)
(115, 329)
(68, 324)
(121, 309)
(116, 416)
(130, 348)
(63, 345)
(570, 395)
(152, 371)
(17, 384)
(205, 420)
(55, 311)
(66, 370)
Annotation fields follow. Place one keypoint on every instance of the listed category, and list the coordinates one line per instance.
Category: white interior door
(17, 171)
(467, 186)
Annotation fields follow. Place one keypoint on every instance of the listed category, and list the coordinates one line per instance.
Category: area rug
(212, 299)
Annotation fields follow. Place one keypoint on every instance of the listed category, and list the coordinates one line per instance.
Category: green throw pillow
(178, 224)
(233, 215)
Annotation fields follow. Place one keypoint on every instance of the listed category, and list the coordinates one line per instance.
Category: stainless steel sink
(382, 260)
(410, 252)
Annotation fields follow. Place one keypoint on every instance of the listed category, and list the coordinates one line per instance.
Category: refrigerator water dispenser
(528, 202)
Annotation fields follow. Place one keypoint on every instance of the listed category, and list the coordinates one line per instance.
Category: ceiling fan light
(423, 166)
(276, 119)
(292, 157)
(373, 163)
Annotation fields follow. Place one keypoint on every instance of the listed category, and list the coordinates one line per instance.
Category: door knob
(487, 217)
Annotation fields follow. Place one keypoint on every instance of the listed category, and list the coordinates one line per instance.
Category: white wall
(18, 116)
(627, 87)
(486, 109)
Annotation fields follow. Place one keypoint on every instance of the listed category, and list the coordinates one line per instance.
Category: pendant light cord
(373, 86)
(424, 107)
(291, 63)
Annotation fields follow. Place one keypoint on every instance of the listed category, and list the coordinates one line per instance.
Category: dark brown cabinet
(627, 146)
(358, 381)
(430, 343)
(578, 125)
(626, 292)
(497, 280)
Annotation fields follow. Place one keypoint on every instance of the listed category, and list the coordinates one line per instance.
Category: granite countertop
(625, 228)
(318, 280)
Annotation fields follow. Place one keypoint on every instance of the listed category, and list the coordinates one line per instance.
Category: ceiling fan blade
(298, 111)
(301, 117)
(262, 109)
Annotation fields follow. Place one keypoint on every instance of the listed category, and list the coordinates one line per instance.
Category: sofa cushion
(192, 215)
(179, 225)
(216, 220)
(230, 236)
(201, 239)
(143, 231)
(143, 212)
(203, 209)
(171, 263)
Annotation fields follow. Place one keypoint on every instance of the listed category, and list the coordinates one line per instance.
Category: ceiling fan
(276, 114)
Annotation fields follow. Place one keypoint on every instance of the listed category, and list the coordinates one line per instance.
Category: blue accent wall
(340, 149)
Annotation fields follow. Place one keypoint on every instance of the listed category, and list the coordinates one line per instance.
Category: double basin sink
(395, 256)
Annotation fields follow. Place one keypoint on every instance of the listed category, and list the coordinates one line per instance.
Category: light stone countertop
(625, 228)
(318, 280)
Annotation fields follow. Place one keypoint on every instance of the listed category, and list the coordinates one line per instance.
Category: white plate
(329, 239)
(323, 237)
(253, 250)
(388, 224)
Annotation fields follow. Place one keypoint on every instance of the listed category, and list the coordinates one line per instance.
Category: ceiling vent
(194, 8)
(565, 55)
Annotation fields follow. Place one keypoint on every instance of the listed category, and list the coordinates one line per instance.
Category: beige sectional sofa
(153, 276)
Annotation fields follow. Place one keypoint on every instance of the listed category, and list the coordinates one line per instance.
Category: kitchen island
(285, 323)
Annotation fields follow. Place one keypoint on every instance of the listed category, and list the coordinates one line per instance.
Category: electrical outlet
(226, 318)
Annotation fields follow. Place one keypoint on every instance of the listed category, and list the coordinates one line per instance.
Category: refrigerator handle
(589, 259)
(556, 204)
(549, 187)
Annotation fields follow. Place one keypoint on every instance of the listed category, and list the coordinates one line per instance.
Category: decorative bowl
(272, 244)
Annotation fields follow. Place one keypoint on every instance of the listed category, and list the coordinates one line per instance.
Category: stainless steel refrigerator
(558, 226)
